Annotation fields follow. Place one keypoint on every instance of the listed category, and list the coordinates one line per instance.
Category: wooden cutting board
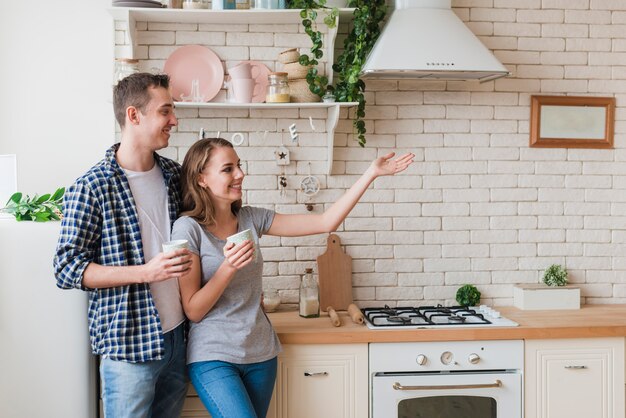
(335, 276)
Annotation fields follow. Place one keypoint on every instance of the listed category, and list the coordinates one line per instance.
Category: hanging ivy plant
(317, 83)
(366, 27)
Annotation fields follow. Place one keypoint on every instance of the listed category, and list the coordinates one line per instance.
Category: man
(116, 216)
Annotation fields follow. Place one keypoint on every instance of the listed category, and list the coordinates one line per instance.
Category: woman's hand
(385, 166)
(240, 255)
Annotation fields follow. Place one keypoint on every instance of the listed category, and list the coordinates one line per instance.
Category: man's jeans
(152, 389)
(230, 390)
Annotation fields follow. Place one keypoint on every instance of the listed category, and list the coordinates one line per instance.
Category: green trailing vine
(366, 27)
(368, 17)
(317, 82)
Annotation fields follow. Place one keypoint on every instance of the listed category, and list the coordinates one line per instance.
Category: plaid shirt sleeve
(100, 225)
(78, 240)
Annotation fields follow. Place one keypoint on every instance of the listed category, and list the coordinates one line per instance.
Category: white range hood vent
(424, 39)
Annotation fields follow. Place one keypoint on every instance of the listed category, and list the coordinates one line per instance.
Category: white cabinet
(316, 380)
(321, 380)
(574, 378)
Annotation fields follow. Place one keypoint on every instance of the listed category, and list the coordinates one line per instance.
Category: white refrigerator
(46, 366)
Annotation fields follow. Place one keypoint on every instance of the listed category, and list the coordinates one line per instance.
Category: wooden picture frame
(572, 121)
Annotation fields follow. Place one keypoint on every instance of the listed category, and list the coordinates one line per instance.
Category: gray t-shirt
(236, 329)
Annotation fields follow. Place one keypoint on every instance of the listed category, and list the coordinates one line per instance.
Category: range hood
(424, 39)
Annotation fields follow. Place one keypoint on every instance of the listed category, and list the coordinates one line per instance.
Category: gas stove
(434, 317)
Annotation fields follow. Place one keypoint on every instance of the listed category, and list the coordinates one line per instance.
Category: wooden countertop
(591, 321)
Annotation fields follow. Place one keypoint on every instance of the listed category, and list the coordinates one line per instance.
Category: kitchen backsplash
(478, 206)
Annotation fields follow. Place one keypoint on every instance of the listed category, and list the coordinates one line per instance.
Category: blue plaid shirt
(100, 225)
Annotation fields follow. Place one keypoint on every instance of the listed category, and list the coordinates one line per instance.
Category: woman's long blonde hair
(196, 199)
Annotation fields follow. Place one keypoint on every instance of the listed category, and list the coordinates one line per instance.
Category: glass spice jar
(309, 295)
(124, 67)
(195, 4)
(278, 88)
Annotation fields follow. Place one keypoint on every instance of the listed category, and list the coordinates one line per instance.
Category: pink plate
(191, 62)
(259, 73)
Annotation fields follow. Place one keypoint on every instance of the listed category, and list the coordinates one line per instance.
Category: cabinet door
(193, 406)
(323, 380)
(575, 378)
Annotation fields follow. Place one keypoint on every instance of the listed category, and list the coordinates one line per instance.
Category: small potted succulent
(552, 293)
(555, 275)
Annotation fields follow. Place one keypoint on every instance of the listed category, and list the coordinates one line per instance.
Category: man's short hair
(134, 91)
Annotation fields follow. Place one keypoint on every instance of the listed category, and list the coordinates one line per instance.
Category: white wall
(479, 206)
(57, 60)
(57, 63)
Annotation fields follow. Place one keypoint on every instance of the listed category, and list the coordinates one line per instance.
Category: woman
(232, 347)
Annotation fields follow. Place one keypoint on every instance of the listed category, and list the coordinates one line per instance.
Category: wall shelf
(129, 16)
(331, 119)
(132, 15)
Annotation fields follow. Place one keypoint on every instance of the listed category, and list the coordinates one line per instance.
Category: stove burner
(401, 319)
(424, 316)
(389, 311)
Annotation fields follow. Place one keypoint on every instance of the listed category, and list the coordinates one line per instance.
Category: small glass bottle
(125, 67)
(309, 296)
(278, 88)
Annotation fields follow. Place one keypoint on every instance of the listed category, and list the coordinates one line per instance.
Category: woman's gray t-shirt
(236, 329)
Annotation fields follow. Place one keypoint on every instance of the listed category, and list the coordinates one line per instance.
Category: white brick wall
(478, 206)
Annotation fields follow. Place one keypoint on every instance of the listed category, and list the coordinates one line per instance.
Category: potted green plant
(553, 293)
(365, 29)
(468, 295)
(37, 208)
(555, 275)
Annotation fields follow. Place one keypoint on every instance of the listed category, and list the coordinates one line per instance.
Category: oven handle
(496, 384)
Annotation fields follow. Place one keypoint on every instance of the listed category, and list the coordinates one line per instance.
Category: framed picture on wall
(572, 121)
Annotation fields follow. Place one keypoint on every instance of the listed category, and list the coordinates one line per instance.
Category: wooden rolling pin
(356, 314)
(334, 318)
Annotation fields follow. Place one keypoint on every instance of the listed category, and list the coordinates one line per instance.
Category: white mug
(243, 236)
(175, 245)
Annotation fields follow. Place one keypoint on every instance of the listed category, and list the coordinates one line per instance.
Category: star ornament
(310, 185)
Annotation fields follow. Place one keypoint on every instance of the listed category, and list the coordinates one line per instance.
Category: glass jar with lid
(125, 67)
(195, 4)
(278, 88)
(309, 295)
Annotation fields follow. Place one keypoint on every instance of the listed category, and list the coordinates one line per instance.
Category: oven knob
(447, 358)
(473, 358)
(421, 359)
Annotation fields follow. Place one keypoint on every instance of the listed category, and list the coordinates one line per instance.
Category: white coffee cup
(175, 245)
(243, 236)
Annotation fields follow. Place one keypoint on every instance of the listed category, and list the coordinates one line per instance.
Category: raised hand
(385, 166)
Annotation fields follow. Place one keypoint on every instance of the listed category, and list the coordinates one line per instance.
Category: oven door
(447, 395)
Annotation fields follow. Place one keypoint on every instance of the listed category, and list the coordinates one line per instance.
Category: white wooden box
(540, 296)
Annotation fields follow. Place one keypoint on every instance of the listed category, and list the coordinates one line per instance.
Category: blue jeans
(230, 390)
(151, 389)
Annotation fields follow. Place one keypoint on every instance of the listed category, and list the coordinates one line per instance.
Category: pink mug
(243, 89)
(241, 71)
